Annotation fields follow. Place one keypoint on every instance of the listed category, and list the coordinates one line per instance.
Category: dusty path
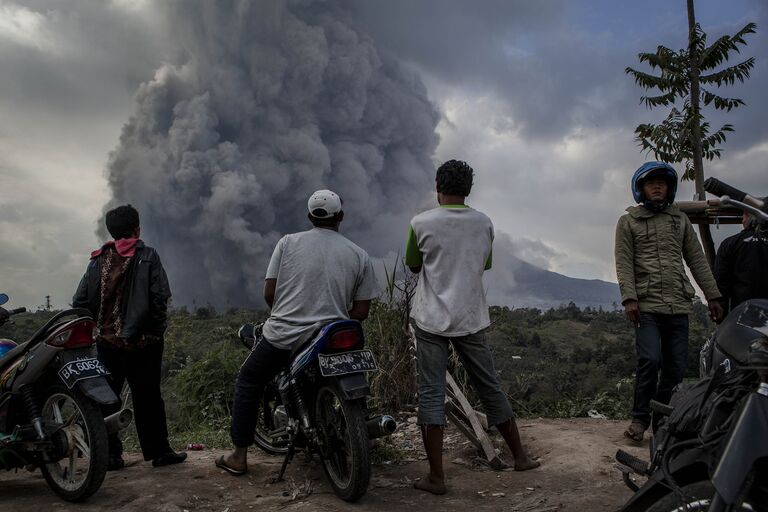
(576, 474)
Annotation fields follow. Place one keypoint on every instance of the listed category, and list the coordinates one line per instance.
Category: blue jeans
(477, 359)
(661, 342)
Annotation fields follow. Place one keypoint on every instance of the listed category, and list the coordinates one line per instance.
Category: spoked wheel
(83, 436)
(271, 421)
(343, 440)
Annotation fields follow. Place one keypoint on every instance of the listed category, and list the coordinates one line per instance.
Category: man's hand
(632, 309)
(716, 312)
(360, 309)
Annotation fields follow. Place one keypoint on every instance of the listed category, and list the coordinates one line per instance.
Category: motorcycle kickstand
(288, 458)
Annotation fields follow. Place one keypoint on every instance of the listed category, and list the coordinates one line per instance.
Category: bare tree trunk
(698, 161)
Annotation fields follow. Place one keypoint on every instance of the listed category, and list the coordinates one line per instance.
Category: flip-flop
(232, 471)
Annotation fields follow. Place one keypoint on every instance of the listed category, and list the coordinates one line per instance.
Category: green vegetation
(562, 362)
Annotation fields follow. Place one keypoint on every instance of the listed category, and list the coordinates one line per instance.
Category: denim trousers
(263, 363)
(476, 357)
(661, 342)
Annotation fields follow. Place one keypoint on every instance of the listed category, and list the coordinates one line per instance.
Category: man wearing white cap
(313, 278)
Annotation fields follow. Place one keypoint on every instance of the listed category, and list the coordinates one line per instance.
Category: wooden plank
(479, 432)
(456, 416)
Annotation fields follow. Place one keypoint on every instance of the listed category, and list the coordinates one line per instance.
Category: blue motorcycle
(318, 404)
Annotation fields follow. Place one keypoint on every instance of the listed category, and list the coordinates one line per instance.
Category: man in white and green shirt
(450, 247)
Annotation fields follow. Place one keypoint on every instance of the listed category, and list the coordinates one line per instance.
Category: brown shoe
(635, 431)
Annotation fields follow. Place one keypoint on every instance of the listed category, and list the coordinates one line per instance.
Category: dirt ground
(576, 474)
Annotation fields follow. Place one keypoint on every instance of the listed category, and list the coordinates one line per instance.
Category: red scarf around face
(125, 247)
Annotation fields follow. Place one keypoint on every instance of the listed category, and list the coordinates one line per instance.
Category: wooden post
(709, 212)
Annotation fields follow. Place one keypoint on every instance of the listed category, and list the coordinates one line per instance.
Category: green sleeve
(489, 261)
(412, 253)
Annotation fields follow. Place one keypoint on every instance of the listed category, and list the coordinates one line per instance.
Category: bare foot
(431, 484)
(526, 464)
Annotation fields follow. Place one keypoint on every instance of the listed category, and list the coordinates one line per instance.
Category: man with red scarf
(127, 292)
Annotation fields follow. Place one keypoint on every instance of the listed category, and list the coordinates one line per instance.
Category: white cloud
(22, 26)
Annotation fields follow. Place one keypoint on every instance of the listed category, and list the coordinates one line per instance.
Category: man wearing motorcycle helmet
(741, 266)
(652, 241)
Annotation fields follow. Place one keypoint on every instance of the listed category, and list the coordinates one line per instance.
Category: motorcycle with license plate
(51, 390)
(318, 404)
(710, 451)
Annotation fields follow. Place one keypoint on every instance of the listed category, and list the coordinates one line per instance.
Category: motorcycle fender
(98, 390)
(746, 445)
(688, 467)
(354, 386)
(33, 364)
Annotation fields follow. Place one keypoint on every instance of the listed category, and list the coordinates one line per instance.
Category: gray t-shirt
(453, 244)
(319, 273)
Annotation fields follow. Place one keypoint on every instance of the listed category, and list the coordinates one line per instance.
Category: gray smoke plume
(269, 101)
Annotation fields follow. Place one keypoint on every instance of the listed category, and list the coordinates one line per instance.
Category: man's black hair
(122, 221)
(327, 222)
(454, 178)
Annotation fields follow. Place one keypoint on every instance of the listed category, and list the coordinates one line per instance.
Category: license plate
(347, 362)
(74, 371)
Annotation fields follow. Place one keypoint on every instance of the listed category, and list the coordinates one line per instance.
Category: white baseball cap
(324, 204)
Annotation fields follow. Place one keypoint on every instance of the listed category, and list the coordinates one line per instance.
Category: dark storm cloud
(272, 101)
(556, 67)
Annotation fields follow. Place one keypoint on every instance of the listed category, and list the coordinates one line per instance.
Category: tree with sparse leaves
(685, 80)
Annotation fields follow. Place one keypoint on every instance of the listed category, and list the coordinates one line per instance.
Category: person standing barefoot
(450, 248)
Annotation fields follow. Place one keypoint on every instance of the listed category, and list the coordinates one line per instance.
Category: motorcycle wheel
(343, 439)
(80, 472)
(271, 416)
(697, 498)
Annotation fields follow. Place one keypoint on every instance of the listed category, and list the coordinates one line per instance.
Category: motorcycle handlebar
(745, 207)
(720, 189)
(17, 311)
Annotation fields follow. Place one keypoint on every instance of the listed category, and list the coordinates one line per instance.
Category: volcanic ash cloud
(269, 101)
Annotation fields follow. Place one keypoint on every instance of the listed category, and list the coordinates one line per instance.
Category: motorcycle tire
(81, 471)
(697, 499)
(343, 438)
(266, 421)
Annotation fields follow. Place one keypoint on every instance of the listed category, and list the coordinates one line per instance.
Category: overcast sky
(532, 94)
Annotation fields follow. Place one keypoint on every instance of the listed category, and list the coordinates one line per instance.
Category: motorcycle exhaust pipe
(118, 421)
(380, 426)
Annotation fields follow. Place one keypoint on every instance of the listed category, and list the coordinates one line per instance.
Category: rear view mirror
(754, 317)
(3, 298)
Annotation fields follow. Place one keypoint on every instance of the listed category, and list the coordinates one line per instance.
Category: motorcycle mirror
(3, 298)
(755, 318)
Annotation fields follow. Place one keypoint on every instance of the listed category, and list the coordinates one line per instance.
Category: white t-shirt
(454, 245)
(319, 273)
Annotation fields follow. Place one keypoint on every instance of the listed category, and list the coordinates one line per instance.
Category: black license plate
(74, 371)
(347, 362)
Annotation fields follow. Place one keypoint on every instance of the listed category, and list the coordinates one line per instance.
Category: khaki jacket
(650, 248)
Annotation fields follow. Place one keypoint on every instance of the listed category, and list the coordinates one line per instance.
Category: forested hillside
(557, 363)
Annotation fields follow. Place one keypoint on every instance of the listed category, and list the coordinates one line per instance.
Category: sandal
(229, 469)
(635, 431)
